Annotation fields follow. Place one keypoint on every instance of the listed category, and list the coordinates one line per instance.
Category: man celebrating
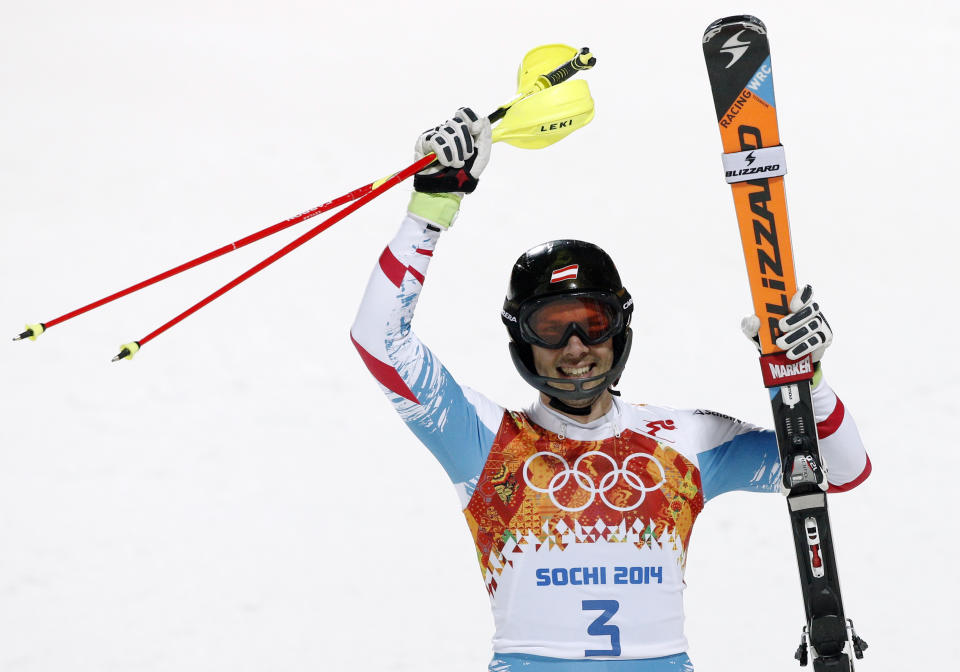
(581, 506)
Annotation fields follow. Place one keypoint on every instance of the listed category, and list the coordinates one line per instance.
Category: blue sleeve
(748, 461)
(447, 422)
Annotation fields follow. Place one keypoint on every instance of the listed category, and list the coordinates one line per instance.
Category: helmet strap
(583, 410)
(572, 410)
(547, 386)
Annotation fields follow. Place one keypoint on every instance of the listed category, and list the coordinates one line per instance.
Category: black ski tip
(123, 354)
(26, 334)
(734, 47)
(745, 20)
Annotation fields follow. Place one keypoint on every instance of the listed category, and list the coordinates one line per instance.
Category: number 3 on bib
(599, 627)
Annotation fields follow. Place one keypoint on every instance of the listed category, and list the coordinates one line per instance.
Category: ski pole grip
(582, 61)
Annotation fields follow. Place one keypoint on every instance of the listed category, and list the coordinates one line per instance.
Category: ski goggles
(551, 322)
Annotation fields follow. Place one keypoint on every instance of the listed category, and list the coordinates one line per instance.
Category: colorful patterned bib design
(540, 489)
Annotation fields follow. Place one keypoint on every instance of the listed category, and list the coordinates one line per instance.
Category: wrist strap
(439, 209)
(817, 375)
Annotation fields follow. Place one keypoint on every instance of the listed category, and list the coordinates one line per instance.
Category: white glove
(805, 330)
(462, 145)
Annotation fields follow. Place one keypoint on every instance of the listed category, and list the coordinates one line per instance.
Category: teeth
(576, 372)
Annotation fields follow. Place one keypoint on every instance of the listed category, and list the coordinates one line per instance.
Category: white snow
(240, 496)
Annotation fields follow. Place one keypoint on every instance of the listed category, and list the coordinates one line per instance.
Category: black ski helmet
(565, 268)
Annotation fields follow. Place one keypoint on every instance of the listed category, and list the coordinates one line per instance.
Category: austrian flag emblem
(565, 273)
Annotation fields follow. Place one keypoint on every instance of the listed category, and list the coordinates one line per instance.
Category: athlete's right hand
(462, 145)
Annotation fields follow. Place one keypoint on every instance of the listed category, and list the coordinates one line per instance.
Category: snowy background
(241, 497)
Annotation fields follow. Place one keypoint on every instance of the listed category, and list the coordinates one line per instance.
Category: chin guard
(573, 410)
(578, 393)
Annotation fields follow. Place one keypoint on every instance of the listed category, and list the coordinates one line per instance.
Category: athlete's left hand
(805, 330)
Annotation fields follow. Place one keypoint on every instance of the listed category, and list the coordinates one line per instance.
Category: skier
(581, 506)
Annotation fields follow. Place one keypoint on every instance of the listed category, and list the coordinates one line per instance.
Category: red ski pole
(128, 350)
(527, 131)
(34, 330)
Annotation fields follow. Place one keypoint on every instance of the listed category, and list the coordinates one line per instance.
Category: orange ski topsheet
(761, 205)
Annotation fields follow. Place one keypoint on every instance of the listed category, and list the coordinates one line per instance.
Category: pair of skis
(738, 62)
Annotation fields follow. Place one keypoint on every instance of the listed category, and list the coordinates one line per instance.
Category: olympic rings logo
(585, 482)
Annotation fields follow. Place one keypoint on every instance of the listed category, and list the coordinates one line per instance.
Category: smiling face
(568, 317)
(576, 360)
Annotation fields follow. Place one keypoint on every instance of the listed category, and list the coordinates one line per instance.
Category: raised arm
(455, 423)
